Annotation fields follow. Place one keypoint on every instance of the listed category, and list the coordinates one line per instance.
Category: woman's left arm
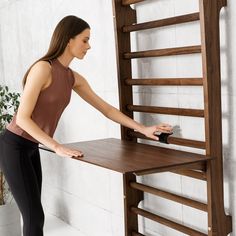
(83, 89)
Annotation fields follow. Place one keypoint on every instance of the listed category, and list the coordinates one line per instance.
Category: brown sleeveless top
(51, 102)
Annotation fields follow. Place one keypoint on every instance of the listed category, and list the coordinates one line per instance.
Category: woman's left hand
(149, 131)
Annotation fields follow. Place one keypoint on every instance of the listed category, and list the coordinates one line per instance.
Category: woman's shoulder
(76, 74)
(40, 72)
(43, 67)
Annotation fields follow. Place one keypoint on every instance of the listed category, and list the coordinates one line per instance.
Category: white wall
(69, 189)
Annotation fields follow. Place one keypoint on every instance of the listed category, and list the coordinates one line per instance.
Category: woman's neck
(65, 60)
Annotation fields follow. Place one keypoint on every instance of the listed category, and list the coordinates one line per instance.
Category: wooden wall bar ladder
(219, 224)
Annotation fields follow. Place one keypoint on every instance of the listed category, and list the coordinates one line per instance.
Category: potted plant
(9, 213)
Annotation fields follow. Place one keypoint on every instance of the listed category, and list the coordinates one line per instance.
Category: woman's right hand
(64, 151)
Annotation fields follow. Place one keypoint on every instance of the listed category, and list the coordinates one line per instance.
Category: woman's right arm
(37, 79)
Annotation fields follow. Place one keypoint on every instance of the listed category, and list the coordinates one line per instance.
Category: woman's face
(79, 45)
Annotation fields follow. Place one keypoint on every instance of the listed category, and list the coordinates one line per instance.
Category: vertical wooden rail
(132, 197)
(124, 15)
(218, 223)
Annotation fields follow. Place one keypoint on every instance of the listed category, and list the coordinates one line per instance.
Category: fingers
(165, 128)
(154, 137)
(164, 125)
(68, 152)
(75, 153)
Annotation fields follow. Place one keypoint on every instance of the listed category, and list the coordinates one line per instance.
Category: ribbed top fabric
(51, 102)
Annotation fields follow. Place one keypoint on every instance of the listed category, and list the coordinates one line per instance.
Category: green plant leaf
(9, 102)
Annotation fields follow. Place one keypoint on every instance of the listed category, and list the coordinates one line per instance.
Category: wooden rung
(164, 221)
(163, 52)
(173, 140)
(128, 2)
(167, 110)
(201, 175)
(163, 22)
(137, 234)
(200, 165)
(166, 81)
(187, 142)
(170, 196)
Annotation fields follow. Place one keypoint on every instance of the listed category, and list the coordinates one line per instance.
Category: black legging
(20, 163)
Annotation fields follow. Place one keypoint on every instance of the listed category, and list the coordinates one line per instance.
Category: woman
(47, 89)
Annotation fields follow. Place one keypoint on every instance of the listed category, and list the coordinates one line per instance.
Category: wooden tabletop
(127, 157)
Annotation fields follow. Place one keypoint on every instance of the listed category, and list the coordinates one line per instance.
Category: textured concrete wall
(88, 197)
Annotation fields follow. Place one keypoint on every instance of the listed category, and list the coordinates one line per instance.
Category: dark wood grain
(174, 140)
(123, 15)
(166, 82)
(187, 142)
(132, 197)
(182, 228)
(137, 234)
(201, 175)
(219, 224)
(126, 157)
(170, 196)
(167, 110)
(128, 2)
(162, 22)
(163, 52)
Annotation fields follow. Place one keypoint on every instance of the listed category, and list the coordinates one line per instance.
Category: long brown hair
(66, 29)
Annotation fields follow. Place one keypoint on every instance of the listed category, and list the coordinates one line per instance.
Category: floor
(56, 227)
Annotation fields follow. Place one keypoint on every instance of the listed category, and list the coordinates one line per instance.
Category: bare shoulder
(41, 67)
(39, 73)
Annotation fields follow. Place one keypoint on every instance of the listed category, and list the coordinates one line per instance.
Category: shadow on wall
(228, 148)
